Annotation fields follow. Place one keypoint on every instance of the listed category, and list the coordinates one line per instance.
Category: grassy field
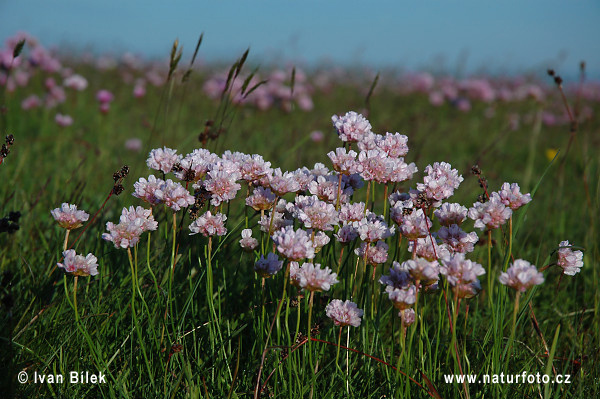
(175, 316)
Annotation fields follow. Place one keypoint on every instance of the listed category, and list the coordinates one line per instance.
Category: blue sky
(499, 36)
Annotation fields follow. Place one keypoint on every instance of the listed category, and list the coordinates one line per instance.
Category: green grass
(204, 336)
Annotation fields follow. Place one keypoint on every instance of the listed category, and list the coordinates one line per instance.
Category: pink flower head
(209, 225)
(248, 243)
(283, 183)
(162, 159)
(425, 249)
(344, 313)
(123, 235)
(423, 270)
(402, 298)
(68, 217)
(268, 267)
(146, 189)
(395, 145)
(255, 168)
(78, 265)
(312, 278)
(407, 316)
(440, 182)
(319, 240)
(76, 82)
(375, 165)
(347, 233)
(511, 196)
(344, 163)
(174, 195)
(449, 214)
(326, 188)
(314, 213)
(317, 136)
(459, 270)
(521, 276)
(294, 244)
(222, 186)
(399, 276)
(373, 228)
(457, 240)
(351, 127)
(491, 214)
(197, 164)
(133, 144)
(375, 254)
(415, 225)
(571, 261)
(104, 96)
(261, 199)
(63, 120)
(140, 216)
(352, 212)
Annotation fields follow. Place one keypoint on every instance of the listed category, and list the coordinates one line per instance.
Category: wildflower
(344, 163)
(283, 183)
(254, 168)
(407, 316)
(456, 239)
(352, 212)
(440, 182)
(76, 82)
(326, 189)
(140, 216)
(314, 213)
(521, 276)
(196, 164)
(423, 270)
(123, 235)
(395, 145)
(312, 278)
(209, 225)
(344, 313)
(571, 261)
(427, 248)
(294, 245)
(174, 195)
(104, 96)
(415, 225)
(320, 239)
(449, 214)
(462, 275)
(400, 170)
(511, 196)
(163, 159)
(347, 233)
(68, 217)
(491, 214)
(261, 199)
(351, 127)
(373, 228)
(374, 165)
(399, 276)
(248, 243)
(133, 144)
(268, 267)
(146, 189)
(402, 298)
(63, 120)
(78, 265)
(317, 136)
(222, 185)
(274, 221)
(375, 254)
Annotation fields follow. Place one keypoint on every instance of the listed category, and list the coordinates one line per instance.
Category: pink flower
(104, 96)
(68, 217)
(198, 162)
(283, 183)
(254, 167)
(407, 316)
(352, 212)
(294, 245)
(77, 265)
(375, 254)
(326, 188)
(461, 273)
(344, 313)
(427, 272)
(140, 216)
(491, 214)
(146, 189)
(394, 145)
(209, 225)
(351, 127)
(248, 243)
(457, 240)
(374, 165)
(261, 199)
(449, 214)
(521, 276)
(63, 120)
(174, 195)
(316, 136)
(571, 261)
(347, 233)
(312, 278)
(399, 276)
(440, 182)
(415, 225)
(425, 249)
(222, 186)
(344, 163)
(510, 195)
(162, 159)
(76, 82)
(133, 144)
(123, 235)
(402, 298)
(373, 228)
(268, 267)
(31, 102)
(314, 213)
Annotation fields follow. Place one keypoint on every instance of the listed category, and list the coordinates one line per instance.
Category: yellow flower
(551, 153)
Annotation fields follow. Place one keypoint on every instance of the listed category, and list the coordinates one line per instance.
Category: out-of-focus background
(452, 37)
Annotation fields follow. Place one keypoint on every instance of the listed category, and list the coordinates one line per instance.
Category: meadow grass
(176, 317)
